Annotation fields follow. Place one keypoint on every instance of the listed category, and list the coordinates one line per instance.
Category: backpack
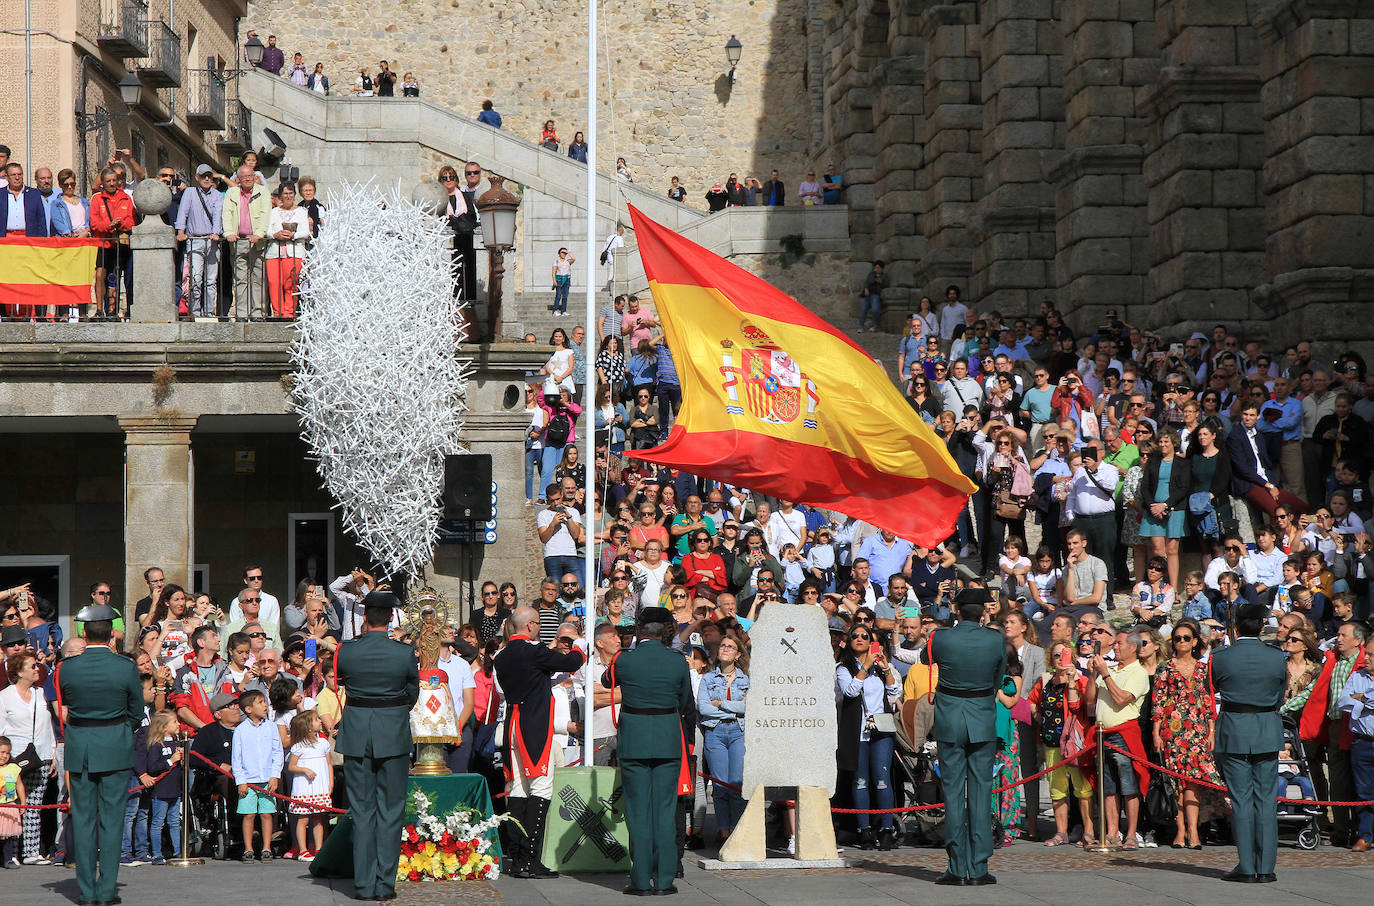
(559, 430)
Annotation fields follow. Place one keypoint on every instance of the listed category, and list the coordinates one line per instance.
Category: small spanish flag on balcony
(776, 400)
(46, 270)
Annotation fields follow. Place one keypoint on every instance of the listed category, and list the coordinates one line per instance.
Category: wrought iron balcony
(205, 107)
(124, 27)
(237, 136)
(163, 69)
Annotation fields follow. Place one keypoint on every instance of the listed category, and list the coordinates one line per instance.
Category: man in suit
(655, 688)
(1249, 678)
(971, 660)
(103, 700)
(22, 210)
(524, 671)
(1252, 471)
(383, 682)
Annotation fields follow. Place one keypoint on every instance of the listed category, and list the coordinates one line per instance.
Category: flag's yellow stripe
(31, 264)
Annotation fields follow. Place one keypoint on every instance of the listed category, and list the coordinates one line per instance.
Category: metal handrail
(164, 56)
(125, 22)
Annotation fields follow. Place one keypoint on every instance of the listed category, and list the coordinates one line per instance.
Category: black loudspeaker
(467, 487)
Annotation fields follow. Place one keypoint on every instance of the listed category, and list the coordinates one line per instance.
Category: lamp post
(733, 49)
(130, 92)
(253, 50)
(497, 207)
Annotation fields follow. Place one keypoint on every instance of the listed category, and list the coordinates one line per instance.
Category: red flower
(412, 834)
(413, 876)
(408, 849)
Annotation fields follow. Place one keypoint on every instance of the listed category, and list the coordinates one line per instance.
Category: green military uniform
(104, 701)
(1250, 678)
(970, 660)
(655, 688)
(382, 679)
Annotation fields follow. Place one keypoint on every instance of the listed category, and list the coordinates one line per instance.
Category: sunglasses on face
(488, 594)
(258, 635)
(448, 178)
(508, 594)
(257, 578)
(863, 619)
(569, 584)
(678, 597)
(1183, 638)
(249, 600)
(859, 637)
(472, 172)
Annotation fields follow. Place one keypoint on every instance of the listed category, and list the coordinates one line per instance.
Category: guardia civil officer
(104, 703)
(382, 679)
(655, 689)
(971, 660)
(1249, 679)
(524, 671)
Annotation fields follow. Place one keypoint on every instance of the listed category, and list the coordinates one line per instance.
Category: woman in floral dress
(1006, 806)
(1184, 730)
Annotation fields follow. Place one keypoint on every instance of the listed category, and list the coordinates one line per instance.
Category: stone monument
(152, 244)
(790, 726)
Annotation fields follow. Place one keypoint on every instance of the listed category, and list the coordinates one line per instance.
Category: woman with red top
(648, 528)
(705, 569)
(1073, 402)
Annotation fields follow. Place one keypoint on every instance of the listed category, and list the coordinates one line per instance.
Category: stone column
(1318, 108)
(153, 243)
(159, 501)
(1023, 132)
(1101, 227)
(952, 176)
(1205, 152)
(899, 115)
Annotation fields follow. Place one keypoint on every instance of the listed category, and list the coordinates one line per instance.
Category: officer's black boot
(518, 857)
(536, 813)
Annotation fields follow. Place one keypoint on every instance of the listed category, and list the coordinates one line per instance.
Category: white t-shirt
(1047, 584)
(559, 362)
(787, 529)
(460, 677)
(560, 543)
(654, 584)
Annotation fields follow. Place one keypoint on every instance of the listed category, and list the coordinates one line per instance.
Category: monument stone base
(718, 865)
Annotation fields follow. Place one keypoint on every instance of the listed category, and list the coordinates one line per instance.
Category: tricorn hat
(95, 613)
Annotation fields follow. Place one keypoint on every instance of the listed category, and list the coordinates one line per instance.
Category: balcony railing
(237, 135)
(205, 99)
(124, 27)
(163, 69)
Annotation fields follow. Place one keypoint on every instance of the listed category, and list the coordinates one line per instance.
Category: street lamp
(733, 49)
(253, 50)
(497, 207)
(130, 91)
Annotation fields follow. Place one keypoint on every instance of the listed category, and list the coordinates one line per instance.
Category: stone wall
(1182, 161)
(665, 102)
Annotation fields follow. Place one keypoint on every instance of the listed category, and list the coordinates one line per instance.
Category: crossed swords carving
(590, 823)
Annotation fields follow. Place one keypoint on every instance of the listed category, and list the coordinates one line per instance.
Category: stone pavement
(1027, 873)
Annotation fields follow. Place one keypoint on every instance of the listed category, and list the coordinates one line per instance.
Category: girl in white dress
(312, 781)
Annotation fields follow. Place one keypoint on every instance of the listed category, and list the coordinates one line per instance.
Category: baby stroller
(1294, 774)
(920, 774)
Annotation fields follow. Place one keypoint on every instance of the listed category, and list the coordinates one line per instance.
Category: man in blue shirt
(198, 224)
(489, 116)
(886, 554)
(669, 390)
(1355, 701)
(1282, 416)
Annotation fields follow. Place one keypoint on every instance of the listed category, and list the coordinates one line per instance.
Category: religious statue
(433, 720)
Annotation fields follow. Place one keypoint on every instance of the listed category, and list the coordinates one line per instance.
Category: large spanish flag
(46, 270)
(777, 400)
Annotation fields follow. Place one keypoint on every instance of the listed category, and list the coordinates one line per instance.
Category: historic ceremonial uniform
(104, 701)
(970, 660)
(1249, 678)
(382, 678)
(655, 689)
(524, 671)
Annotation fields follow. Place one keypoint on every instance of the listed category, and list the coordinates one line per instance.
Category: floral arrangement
(456, 847)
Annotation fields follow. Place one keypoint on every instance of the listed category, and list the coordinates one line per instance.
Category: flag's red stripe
(922, 510)
(52, 242)
(669, 258)
(44, 294)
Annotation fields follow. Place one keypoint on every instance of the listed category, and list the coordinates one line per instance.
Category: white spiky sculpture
(379, 386)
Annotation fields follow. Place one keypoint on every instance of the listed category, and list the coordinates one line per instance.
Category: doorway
(309, 550)
(49, 579)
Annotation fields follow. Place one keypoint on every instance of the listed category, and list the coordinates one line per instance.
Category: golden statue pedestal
(429, 756)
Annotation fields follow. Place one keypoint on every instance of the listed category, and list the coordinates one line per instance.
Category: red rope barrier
(66, 807)
(1323, 803)
(263, 790)
(920, 808)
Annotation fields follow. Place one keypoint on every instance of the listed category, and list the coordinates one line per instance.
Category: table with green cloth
(446, 793)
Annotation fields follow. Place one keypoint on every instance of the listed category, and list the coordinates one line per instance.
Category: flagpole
(589, 393)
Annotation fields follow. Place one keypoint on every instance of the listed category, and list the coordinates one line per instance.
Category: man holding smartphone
(1092, 498)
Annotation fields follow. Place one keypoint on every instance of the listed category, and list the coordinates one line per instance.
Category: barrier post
(185, 860)
(1103, 845)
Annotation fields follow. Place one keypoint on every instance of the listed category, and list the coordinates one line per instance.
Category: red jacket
(1315, 725)
(105, 209)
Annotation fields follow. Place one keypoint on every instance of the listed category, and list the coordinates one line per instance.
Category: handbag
(28, 761)
(882, 722)
(1021, 711)
(1073, 740)
(1007, 507)
(1161, 800)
